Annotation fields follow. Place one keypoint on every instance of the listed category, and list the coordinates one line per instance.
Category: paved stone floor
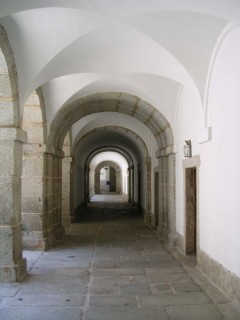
(112, 267)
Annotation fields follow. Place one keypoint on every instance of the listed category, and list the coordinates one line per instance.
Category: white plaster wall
(220, 174)
(189, 123)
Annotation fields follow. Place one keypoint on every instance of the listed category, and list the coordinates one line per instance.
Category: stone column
(53, 198)
(129, 186)
(86, 185)
(147, 213)
(57, 227)
(33, 189)
(172, 235)
(72, 166)
(33, 176)
(133, 186)
(66, 169)
(139, 187)
(12, 264)
(167, 212)
(66, 181)
(97, 182)
(119, 182)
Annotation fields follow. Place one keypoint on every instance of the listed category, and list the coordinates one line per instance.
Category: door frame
(188, 163)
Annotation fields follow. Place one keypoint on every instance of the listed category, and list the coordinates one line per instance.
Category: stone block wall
(167, 199)
(34, 215)
(12, 264)
(66, 168)
(66, 182)
(147, 211)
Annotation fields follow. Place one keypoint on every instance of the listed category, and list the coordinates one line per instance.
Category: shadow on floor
(105, 211)
(106, 207)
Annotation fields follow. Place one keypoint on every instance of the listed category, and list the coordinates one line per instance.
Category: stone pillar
(12, 264)
(133, 186)
(86, 184)
(48, 198)
(172, 235)
(129, 186)
(147, 213)
(139, 188)
(72, 166)
(66, 180)
(97, 182)
(53, 198)
(163, 203)
(167, 211)
(57, 227)
(119, 182)
(66, 169)
(34, 216)
(33, 176)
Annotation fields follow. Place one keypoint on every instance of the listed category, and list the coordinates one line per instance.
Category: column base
(33, 240)
(14, 273)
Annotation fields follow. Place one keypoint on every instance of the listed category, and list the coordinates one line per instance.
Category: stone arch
(112, 102)
(121, 151)
(132, 169)
(120, 129)
(107, 163)
(12, 264)
(118, 172)
(9, 108)
(139, 109)
(92, 171)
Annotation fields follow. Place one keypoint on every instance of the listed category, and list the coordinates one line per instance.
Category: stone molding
(13, 134)
(222, 277)
(180, 243)
(165, 152)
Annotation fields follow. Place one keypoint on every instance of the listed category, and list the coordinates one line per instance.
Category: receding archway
(132, 143)
(133, 106)
(108, 172)
(108, 178)
(111, 102)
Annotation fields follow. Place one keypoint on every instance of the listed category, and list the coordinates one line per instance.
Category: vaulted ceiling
(148, 49)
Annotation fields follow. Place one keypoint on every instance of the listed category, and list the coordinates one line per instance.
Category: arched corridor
(119, 130)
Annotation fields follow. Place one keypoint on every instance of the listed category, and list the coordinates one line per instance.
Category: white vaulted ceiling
(73, 48)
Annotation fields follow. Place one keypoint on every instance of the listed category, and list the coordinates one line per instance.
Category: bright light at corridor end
(110, 156)
(106, 159)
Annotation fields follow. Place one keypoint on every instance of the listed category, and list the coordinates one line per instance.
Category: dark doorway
(156, 195)
(191, 211)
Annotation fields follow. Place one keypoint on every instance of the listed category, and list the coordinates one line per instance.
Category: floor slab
(112, 267)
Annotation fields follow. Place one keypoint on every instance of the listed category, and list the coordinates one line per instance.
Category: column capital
(13, 134)
(164, 152)
(55, 152)
(147, 160)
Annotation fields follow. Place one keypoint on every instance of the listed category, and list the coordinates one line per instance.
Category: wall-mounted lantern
(188, 149)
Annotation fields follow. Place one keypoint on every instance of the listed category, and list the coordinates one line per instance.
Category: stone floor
(112, 267)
